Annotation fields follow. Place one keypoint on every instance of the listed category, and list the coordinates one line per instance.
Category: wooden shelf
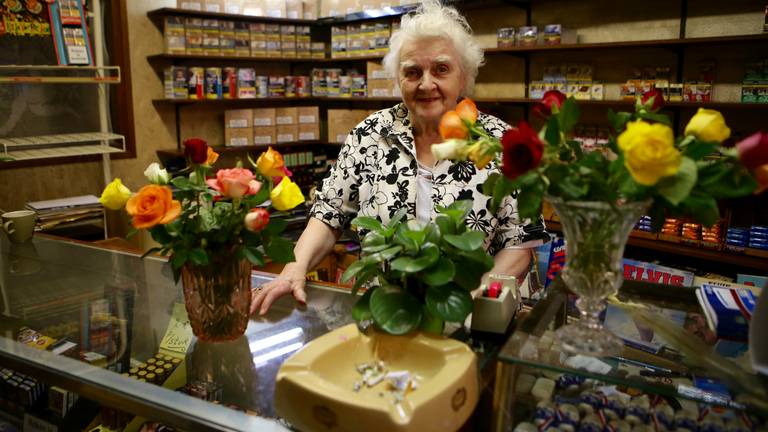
(47, 74)
(206, 58)
(740, 260)
(157, 16)
(254, 148)
(509, 101)
(667, 43)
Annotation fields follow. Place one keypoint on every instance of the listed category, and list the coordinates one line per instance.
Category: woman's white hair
(431, 20)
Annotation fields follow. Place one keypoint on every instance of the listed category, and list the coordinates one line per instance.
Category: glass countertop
(647, 362)
(119, 306)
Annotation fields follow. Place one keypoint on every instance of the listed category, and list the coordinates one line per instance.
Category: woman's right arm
(315, 243)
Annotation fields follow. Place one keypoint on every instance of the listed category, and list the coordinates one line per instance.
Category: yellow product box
(308, 115)
(238, 137)
(309, 132)
(264, 135)
(242, 118)
(264, 117)
(286, 116)
(287, 133)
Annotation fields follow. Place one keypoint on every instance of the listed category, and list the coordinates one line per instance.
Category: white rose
(453, 149)
(156, 175)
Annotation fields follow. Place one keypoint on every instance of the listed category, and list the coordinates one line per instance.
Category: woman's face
(431, 78)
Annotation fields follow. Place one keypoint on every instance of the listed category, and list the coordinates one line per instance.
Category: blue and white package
(727, 310)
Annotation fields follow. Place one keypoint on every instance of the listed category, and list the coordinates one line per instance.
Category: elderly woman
(386, 163)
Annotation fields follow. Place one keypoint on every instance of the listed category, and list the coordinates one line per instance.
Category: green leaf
(373, 238)
(413, 265)
(253, 255)
(406, 241)
(730, 180)
(503, 188)
(431, 323)
(449, 303)
(353, 270)
(467, 241)
(445, 224)
(198, 257)
(369, 250)
(440, 273)
(368, 274)
(182, 183)
(151, 251)
(660, 118)
(414, 230)
(280, 250)
(618, 119)
(399, 215)
(697, 150)
(552, 133)
(490, 183)
(470, 274)
(394, 310)
(385, 255)
(703, 209)
(178, 258)
(361, 311)
(276, 226)
(568, 115)
(368, 223)
(676, 188)
(529, 201)
(457, 211)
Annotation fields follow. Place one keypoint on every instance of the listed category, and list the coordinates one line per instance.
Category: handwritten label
(178, 336)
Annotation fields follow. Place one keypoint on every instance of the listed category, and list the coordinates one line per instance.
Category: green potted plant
(418, 275)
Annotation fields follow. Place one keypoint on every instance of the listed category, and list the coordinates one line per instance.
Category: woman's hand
(290, 280)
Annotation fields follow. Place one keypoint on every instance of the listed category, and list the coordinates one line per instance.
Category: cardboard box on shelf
(264, 135)
(381, 88)
(274, 8)
(253, 7)
(287, 133)
(375, 71)
(309, 132)
(233, 6)
(310, 9)
(264, 117)
(242, 118)
(286, 116)
(331, 8)
(294, 9)
(190, 4)
(308, 115)
(238, 137)
(214, 6)
(341, 121)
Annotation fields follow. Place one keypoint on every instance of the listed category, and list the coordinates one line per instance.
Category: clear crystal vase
(595, 235)
(217, 297)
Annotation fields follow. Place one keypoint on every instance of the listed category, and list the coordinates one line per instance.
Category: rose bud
(551, 98)
(256, 220)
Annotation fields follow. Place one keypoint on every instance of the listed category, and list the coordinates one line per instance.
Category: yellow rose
(115, 195)
(481, 153)
(708, 125)
(286, 195)
(271, 164)
(649, 152)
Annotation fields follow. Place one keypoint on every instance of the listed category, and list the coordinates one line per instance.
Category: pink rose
(235, 182)
(753, 150)
(256, 220)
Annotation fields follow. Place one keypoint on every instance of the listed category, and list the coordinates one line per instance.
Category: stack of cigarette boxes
(267, 126)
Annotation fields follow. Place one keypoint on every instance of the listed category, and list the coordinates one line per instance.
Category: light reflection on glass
(267, 342)
(261, 359)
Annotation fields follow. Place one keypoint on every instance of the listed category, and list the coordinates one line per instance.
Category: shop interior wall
(595, 21)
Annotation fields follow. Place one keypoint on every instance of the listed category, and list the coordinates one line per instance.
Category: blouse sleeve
(337, 201)
(512, 232)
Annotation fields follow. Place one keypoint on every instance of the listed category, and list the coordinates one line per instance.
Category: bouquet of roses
(683, 175)
(209, 215)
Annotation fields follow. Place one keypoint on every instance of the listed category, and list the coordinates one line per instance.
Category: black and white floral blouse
(376, 171)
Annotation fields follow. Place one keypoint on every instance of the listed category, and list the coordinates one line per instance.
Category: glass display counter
(654, 384)
(95, 323)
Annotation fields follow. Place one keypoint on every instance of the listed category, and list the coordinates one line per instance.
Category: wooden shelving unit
(746, 261)
(254, 148)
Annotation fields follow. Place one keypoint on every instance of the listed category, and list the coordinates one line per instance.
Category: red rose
(522, 151)
(256, 220)
(551, 98)
(658, 100)
(196, 150)
(753, 150)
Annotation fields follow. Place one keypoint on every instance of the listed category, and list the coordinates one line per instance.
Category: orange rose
(152, 205)
(452, 126)
(212, 157)
(467, 110)
(271, 164)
